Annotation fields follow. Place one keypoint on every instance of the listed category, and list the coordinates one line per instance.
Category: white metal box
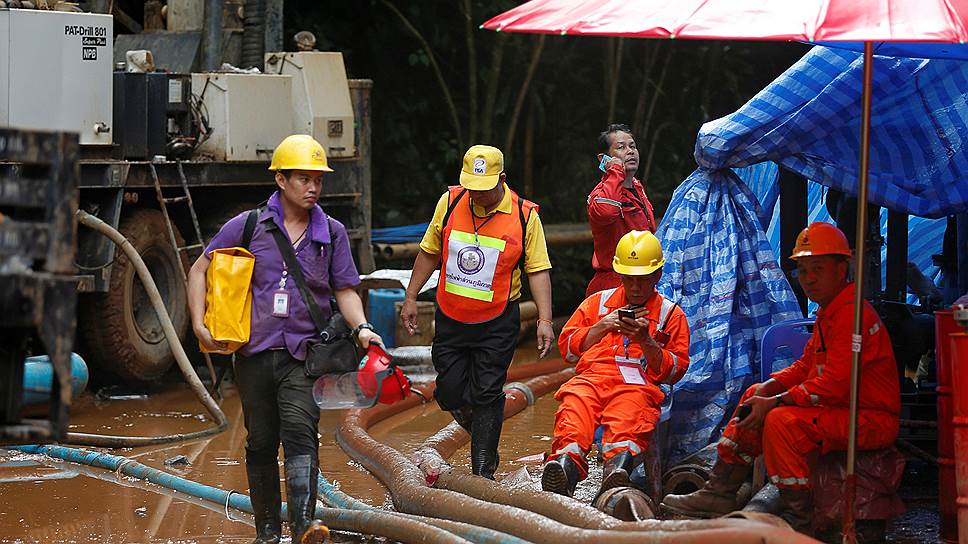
(320, 98)
(55, 72)
(249, 114)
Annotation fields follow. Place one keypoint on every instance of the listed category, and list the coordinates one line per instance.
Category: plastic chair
(785, 337)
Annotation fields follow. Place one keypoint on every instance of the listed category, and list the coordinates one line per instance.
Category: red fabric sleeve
(605, 200)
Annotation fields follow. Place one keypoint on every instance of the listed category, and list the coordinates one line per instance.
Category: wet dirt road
(45, 501)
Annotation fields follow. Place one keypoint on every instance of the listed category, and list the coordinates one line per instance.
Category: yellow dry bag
(228, 296)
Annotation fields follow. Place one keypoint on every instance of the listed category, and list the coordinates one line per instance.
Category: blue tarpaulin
(720, 264)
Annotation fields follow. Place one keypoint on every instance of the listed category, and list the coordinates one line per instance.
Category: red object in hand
(378, 375)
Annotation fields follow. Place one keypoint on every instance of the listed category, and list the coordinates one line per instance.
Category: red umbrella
(803, 20)
(865, 21)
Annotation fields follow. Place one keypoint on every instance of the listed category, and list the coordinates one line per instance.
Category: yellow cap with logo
(638, 253)
(483, 165)
(300, 152)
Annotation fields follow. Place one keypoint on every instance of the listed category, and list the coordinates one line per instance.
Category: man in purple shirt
(276, 394)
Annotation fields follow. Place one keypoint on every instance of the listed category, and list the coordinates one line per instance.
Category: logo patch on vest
(470, 259)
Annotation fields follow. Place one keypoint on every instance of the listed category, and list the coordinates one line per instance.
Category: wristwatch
(364, 325)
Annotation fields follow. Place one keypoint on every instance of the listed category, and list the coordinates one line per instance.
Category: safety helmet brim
(309, 167)
(627, 270)
(800, 254)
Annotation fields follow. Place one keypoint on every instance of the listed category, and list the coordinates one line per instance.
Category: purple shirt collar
(318, 225)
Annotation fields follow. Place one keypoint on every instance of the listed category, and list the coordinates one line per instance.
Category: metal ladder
(181, 251)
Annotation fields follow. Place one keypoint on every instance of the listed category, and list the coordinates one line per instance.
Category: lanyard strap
(289, 258)
(477, 228)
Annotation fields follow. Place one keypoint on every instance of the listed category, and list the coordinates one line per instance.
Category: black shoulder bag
(334, 350)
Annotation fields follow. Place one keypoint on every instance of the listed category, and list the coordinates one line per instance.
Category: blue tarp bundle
(720, 265)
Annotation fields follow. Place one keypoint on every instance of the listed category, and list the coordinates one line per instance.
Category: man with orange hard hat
(625, 341)
(805, 407)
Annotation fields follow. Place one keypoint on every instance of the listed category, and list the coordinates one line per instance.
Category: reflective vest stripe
(570, 448)
(486, 296)
(480, 239)
(735, 447)
(609, 201)
(789, 482)
(571, 357)
(628, 444)
(603, 298)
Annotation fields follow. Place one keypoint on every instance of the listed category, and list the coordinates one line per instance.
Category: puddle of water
(87, 508)
(53, 502)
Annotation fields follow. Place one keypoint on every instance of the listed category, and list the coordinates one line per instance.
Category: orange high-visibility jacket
(600, 357)
(479, 256)
(821, 377)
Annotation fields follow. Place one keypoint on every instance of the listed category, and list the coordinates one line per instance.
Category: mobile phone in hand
(743, 411)
(625, 313)
(604, 162)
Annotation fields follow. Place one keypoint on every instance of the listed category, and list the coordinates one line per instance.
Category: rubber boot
(616, 470)
(485, 437)
(560, 476)
(464, 416)
(716, 498)
(798, 509)
(301, 477)
(266, 499)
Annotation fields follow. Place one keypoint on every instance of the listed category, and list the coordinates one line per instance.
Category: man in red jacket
(805, 407)
(617, 204)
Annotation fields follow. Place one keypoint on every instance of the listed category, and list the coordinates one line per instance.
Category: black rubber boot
(301, 479)
(798, 509)
(266, 499)
(485, 437)
(464, 416)
(560, 476)
(616, 470)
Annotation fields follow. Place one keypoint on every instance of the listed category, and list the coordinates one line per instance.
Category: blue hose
(39, 378)
(236, 500)
(348, 511)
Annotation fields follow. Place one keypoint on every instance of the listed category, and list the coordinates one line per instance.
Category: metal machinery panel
(248, 114)
(38, 293)
(140, 107)
(57, 69)
(320, 98)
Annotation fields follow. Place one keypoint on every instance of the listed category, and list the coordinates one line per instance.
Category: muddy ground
(45, 501)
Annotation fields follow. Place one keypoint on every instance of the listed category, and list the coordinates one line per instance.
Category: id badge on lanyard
(630, 368)
(280, 298)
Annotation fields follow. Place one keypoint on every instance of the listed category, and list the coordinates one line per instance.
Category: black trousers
(472, 360)
(278, 405)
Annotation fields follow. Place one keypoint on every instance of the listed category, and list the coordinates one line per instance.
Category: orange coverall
(819, 385)
(598, 394)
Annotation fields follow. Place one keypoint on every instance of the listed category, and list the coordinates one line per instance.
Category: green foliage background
(417, 145)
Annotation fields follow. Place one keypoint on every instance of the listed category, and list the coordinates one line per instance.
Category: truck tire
(122, 331)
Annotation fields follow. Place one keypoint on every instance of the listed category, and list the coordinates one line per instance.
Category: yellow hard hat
(482, 168)
(638, 253)
(820, 238)
(299, 152)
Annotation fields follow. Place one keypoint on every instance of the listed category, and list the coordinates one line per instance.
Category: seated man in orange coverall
(620, 359)
(804, 408)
